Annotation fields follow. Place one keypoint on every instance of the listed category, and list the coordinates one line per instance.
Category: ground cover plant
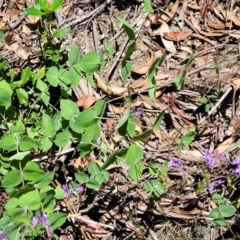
(119, 120)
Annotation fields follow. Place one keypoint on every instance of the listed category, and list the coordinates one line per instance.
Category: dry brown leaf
(86, 101)
(32, 20)
(26, 30)
(236, 83)
(234, 35)
(112, 91)
(79, 163)
(220, 26)
(22, 53)
(144, 69)
(170, 12)
(224, 145)
(111, 123)
(114, 109)
(177, 110)
(164, 28)
(140, 84)
(153, 18)
(192, 153)
(176, 36)
(227, 15)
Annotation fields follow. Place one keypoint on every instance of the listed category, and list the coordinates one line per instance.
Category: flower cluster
(176, 163)
(212, 158)
(237, 163)
(215, 184)
(68, 191)
(42, 220)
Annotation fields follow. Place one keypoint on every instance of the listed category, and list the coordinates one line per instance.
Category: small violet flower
(138, 112)
(207, 157)
(214, 184)
(79, 188)
(67, 190)
(237, 163)
(176, 163)
(41, 219)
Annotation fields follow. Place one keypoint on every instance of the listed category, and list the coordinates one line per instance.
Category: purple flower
(35, 221)
(214, 184)
(79, 188)
(207, 157)
(138, 112)
(175, 163)
(44, 221)
(67, 190)
(237, 163)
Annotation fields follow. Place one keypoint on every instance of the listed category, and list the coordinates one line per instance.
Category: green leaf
(12, 179)
(63, 138)
(155, 187)
(221, 222)
(159, 120)
(46, 144)
(90, 62)
(114, 157)
(32, 172)
(143, 136)
(74, 56)
(30, 201)
(22, 96)
(6, 86)
(126, 62)
(203, 100)
(1, 35)
(131, 126)
(62, 32)
(48, 201)
(187, 139)
(57, 219)
(124, 118)
(42, 86)
(214, 213)
(64, 77)
(91, 133)
(134, 155)
(85, 118)
(27, 143)
(52, 76)
(44, 5)
(45, 180)
(56, 121)
(93, 184)
(11, 205)
(151, 77)
(25, 76)
(97, 173)
(45, 96)
(128, 28)
(19, 156)
(74, 75)
(227, 210)
(59, 193)
(180, 80)
(135, 171)
(81, 177)
(100, 107)
(55, 5)
(3, 64)
(8, 142)
(18, 127)
(109, 48)
(5, 98)
(33, 12)
(148, 6)
(68, 109)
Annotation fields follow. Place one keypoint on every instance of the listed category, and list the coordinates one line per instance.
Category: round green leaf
(134, 155)
(90, 62)
(85, 118)
(30, 201)
(63, 138)
(155, 187)
(68, 108)
(22, 96)
(5, 98)
(12, 179)
(227, 210)
(52, 76)
(8, 143)
(27, 143)
(57, 219)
